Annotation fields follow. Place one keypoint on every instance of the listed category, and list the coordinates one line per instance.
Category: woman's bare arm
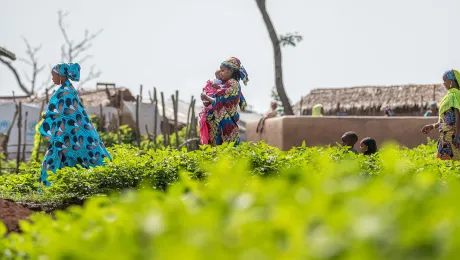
(457, 123)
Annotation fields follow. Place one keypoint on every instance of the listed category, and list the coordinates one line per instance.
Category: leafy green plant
(253, 202)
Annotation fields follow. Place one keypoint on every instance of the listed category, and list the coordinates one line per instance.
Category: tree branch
(7, 53)
(61, 16)
(70, 52)
(91, 75)
(291, 39)
(277, 57)
(18, 78)
(33, 62)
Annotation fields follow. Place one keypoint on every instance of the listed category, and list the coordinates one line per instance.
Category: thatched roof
(364, 98)
(104, 97)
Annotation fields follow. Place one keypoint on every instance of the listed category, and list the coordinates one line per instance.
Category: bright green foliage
(159, 169)
(311, 203)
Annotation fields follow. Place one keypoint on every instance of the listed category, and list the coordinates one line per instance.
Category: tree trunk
(278, 57)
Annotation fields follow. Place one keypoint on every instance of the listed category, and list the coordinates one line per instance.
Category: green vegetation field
(248, 202)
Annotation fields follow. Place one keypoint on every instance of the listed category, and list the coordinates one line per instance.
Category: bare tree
(71, 51)
(32, 60)
(286, 40)
(75, 51)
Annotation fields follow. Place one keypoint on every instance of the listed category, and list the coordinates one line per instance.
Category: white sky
(178, 44)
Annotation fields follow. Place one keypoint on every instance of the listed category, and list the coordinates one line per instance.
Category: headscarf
(452, 98)
(69, 70)
(317, 110)
(452, 75)
(235, 64)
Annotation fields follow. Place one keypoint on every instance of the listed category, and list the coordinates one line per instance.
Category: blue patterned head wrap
(235, 64)
(69, 70)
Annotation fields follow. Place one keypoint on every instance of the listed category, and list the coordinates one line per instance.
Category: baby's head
(349, 139)
(218, 75)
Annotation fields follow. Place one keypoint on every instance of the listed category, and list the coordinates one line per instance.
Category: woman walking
(222, 117)
(449, 119)
(66, 125)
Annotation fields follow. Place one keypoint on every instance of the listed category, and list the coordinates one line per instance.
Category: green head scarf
(317, 110)
(452, 98)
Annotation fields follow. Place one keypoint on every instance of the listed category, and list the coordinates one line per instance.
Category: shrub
(256, 203)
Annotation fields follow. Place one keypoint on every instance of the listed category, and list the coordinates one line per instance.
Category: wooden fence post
(193, 133)
(138, 132)
(175, 100)
(18, 155)
(165, 122)
(155, 120)
(187, 126)
(118, 131)
(120, 108)
(101, 119)
(25, 138)
(140, 92)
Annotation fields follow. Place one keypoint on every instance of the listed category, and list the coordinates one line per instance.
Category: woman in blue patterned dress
(449, 119)
(66, 125)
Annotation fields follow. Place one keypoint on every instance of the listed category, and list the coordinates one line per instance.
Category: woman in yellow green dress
(449, 119)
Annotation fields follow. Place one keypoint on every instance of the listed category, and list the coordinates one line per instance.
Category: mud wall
(288, 131)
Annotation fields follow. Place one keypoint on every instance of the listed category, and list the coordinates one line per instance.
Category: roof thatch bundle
(404, 99)
(105, 97)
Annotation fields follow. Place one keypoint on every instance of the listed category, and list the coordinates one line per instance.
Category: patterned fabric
(71, 135)
(446, 148)
(71, 70)
(223, 116)
(235, 64)
(204, 129)
(210, 91)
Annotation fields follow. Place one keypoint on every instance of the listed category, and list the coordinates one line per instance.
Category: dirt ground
(11, 213)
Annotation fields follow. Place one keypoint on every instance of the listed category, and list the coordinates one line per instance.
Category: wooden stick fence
(191, 140)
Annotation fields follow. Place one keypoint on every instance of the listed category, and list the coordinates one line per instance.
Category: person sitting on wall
(317, 110)
(349, 139)
(388, 111)
(433, 111)
(271, 113)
